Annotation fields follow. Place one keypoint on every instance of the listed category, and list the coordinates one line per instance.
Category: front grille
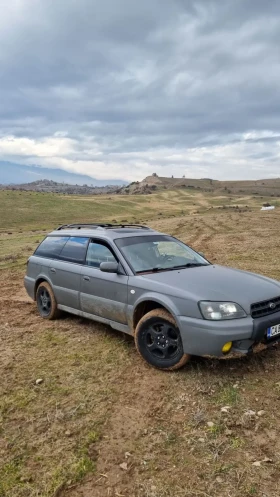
(265, 308)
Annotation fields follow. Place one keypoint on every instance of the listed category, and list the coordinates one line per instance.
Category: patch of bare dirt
(129, 422)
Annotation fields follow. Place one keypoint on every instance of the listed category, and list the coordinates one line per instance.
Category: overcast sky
(125, 88)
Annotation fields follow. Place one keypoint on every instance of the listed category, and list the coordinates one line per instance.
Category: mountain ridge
(15, 174)
(50, 186)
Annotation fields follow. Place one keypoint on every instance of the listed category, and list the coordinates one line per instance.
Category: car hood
(216, 283)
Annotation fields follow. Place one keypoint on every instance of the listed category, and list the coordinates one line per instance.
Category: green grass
(42, 211)
(75, 395)
(26, 217)
(228, 395)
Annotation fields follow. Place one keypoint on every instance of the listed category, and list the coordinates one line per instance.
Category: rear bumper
(29, 285)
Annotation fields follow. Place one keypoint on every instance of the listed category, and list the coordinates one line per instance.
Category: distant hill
(265, 187)
(50, 186)
(12, 173)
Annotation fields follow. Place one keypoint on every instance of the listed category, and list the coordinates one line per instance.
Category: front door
(103, 294)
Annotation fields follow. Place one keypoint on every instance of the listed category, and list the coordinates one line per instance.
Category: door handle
(86, 278)
(53, 270)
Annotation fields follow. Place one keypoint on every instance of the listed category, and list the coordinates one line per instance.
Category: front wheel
(46, 302)
(158, 340)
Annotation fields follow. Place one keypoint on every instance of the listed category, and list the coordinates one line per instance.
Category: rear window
(74, 250)
(51, 246)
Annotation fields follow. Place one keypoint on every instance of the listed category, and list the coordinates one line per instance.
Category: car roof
(111, 233)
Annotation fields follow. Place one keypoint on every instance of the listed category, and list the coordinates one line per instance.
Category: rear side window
(51, 246)
(74, 250)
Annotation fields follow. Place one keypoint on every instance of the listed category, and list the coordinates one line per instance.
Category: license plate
(273, 331)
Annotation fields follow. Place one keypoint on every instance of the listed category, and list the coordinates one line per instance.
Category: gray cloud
(125, 88)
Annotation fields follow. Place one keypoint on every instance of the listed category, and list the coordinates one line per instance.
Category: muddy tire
(46, 302)
(158, 341)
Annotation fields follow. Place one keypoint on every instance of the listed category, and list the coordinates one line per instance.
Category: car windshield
(158, 253)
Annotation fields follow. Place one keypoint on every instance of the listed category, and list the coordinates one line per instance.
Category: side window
(51, 246)
(97, 253)
(75, 250)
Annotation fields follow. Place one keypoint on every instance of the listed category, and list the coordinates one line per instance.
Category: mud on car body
(148, 284)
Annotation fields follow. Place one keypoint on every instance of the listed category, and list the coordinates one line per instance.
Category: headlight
(221, 310)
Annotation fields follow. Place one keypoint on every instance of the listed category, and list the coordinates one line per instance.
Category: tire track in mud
(204, 234)
(198, 236)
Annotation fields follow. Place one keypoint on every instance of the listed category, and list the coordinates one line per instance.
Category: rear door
(103, 294)
(46, 256)
(65, 271)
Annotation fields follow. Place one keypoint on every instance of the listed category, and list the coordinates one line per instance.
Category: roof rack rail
(101, 225)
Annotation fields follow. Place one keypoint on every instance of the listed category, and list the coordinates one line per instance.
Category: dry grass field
(102, 423)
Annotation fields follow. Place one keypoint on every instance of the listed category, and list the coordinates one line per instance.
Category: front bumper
(204, 337)
(262, 324)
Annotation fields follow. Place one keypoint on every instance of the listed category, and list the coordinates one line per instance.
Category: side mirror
(109, 267)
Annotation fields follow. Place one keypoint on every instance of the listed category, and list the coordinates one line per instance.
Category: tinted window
(51, 246)
(74, 250)
(98, 253)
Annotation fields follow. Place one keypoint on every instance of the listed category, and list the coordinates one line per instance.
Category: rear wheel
(46, 302)
(158, 340)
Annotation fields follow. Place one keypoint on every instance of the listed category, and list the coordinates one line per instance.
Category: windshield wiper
(153, 270)
(189, 264)
(172, 268)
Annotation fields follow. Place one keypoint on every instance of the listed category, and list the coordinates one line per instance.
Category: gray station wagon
(170, 298)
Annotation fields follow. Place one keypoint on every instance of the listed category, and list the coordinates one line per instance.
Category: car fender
(163, 300)
(42, 277)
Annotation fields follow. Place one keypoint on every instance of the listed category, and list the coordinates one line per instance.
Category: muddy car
(151, 285)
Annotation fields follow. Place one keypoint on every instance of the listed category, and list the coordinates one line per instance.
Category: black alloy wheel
(158, 340)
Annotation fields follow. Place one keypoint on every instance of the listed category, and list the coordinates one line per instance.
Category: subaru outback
(151, 285)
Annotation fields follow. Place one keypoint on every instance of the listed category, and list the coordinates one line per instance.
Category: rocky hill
(50, 186)
(269, 187)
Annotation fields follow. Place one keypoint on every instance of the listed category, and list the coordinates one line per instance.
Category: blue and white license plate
(273, 331)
